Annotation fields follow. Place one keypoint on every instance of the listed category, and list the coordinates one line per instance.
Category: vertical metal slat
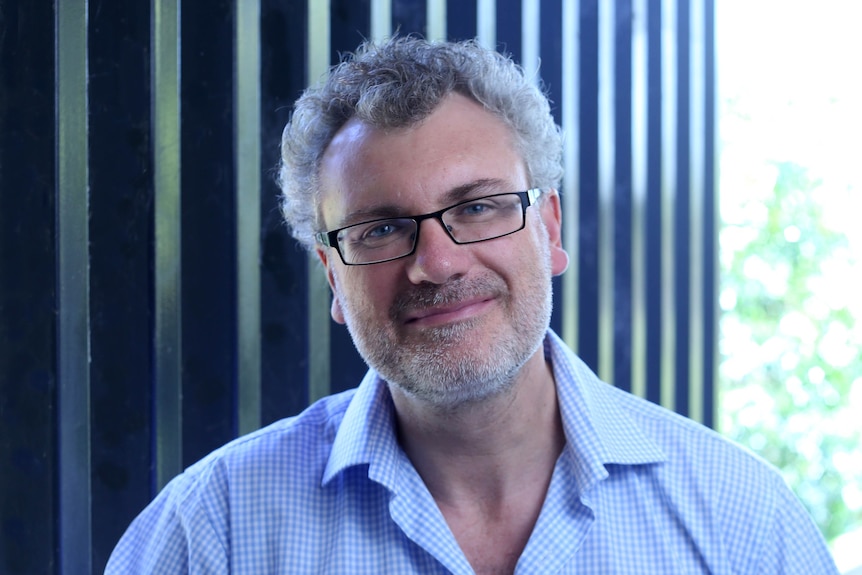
(436, 17)
(319, 372)
(710, 216)
(168, 276)
(530, 20)
(622, 196)
(682, 210)
(669, 117)
(486, 23)
(381, 19)
(697, 118)
(73, 289)
(248, 157)
(606, 144)
(571, 173)
(653, 232)
(640, 96)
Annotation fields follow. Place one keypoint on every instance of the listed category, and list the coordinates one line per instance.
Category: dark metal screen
(152, 306)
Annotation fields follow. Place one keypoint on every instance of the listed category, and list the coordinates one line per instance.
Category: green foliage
(790, 371)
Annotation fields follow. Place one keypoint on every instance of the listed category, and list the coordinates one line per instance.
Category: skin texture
(451, 323)
(455, 330)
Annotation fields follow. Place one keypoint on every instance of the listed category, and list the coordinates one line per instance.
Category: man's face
(449, 323)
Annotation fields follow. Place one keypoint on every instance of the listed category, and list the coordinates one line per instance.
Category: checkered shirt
(637, 490)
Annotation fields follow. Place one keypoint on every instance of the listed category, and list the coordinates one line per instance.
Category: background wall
(152, 306)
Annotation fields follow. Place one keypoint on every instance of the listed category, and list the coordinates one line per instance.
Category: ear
(552, 215)
(336, 311)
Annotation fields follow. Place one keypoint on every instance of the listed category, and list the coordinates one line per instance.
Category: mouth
(443, 314)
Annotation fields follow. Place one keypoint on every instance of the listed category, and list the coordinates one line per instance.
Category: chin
(451, 368)
(458, 395)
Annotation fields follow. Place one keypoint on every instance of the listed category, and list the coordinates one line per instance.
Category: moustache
(426, 296)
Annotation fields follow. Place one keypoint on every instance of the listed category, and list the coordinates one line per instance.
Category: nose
(437, 259)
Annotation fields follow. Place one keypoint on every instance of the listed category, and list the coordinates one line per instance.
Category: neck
(489, 451)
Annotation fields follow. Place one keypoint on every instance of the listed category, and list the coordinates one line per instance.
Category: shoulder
(727, 497)
(686, 478)
(619, 427)
(698, 455)
(246, 485)
(277, 451)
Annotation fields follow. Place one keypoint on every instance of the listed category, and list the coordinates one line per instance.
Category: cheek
(364, 291)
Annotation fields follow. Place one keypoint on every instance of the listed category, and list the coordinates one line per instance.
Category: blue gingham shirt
(637, 489)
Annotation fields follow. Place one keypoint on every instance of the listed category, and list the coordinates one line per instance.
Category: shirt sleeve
(793, 545)
(172, 536)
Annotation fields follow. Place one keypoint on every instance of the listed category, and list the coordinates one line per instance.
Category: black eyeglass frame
(528, 198)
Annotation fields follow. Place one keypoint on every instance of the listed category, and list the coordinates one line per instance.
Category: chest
(491, 547)
(364, 528)
(493, 542)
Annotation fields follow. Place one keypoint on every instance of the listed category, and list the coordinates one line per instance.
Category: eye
(379, 231)
(479, 210)
(476, 209)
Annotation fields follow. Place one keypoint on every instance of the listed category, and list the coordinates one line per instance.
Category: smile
(439, 315)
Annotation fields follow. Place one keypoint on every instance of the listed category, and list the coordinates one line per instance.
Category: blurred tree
(790, 368)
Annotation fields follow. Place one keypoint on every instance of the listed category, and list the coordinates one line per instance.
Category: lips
(432, 305)
(437, 315)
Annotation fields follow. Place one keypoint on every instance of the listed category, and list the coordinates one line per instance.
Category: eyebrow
(475, 188)
(453, 196)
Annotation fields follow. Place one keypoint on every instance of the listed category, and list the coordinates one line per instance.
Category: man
(424, 176)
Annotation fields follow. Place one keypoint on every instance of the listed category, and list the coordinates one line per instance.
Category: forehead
(415, 169)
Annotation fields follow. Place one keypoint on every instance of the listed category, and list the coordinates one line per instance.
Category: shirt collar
(367, 434)
(598, 429)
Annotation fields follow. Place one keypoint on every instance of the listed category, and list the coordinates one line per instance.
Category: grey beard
(442, 366)
(426, 370)
(428, 373)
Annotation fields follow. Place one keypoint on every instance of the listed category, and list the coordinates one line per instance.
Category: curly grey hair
(396, 84)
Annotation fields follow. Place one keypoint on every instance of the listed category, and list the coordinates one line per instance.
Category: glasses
(467, 222)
